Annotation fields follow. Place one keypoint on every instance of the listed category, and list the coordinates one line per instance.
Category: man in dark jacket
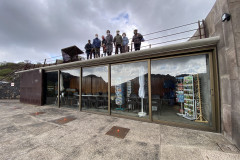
(96, 46)
(137, 39)
(109, 43)
(118, 42)
(89, 48)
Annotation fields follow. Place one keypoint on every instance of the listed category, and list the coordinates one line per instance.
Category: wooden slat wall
(94, 85)
(74, 83)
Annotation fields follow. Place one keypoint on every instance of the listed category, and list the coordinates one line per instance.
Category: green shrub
(6, 71)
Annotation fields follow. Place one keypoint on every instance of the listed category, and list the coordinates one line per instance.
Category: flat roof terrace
(28, 136)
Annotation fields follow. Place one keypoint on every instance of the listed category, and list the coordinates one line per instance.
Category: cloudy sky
(39, 29)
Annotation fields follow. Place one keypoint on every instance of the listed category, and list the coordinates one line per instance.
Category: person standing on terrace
(118, 42)
(109, 43)
(96, 46)
(104, 45)
(89, 48)
(124, 43)
(137, 40)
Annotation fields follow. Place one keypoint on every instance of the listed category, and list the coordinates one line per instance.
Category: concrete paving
(24, 136)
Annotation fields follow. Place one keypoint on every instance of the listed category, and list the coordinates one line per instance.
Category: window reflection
(95, 89)
(69, 88)
(181, 90)
(129, 89)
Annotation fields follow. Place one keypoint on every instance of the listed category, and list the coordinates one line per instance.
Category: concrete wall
(228, 63)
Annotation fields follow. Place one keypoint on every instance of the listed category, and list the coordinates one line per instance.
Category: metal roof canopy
(137, 55)
(71, 53)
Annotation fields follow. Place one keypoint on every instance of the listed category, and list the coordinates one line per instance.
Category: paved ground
(24, 136)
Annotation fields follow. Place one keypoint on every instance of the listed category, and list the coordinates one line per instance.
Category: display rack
(189, 103)
(180, 94)
(199, 113)
(129, 88)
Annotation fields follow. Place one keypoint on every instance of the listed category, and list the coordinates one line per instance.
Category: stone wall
(228, 51)
(9, 92)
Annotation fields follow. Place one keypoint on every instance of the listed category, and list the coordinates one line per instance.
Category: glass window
(181, 90)
(129, 89)
(95, 89)
(69, 88)
(52, 88)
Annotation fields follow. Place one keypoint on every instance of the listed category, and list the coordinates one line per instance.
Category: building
(193, 84)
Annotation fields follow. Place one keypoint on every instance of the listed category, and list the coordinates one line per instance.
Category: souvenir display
(119, 91)
(129, 88)
(180, 93)
(189, 103)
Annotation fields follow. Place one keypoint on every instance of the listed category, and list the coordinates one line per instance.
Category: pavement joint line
(220, 147)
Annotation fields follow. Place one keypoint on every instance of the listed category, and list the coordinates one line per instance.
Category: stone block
(234, 73)
(236, 128)
(235, 87)
(227, 121)
(234, 10)
(237, 43)
(228, 36)
(225, 89)
(219, 32)
(239, 79)
(235, 94)
(232, 63)
(222, 63)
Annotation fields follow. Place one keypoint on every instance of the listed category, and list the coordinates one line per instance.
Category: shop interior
(51, 83)
(69, 88)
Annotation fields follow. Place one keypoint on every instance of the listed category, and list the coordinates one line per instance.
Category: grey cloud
(39, 29)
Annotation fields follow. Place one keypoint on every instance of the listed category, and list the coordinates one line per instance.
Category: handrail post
(44, 63)
(204, 28)
(199, 27)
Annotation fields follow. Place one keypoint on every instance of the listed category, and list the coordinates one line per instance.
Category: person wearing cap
(118, 42)
(109, 43)
(104, 45)
(125, 42)
(137, 39)
(88, 48)
(96, 46)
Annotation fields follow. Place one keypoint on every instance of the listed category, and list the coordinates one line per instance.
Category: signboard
(12, 84)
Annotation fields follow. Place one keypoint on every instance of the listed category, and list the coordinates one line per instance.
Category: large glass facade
(129, 89)
(181, 90)
(95, 89)
(51, 88)
(69, 88)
